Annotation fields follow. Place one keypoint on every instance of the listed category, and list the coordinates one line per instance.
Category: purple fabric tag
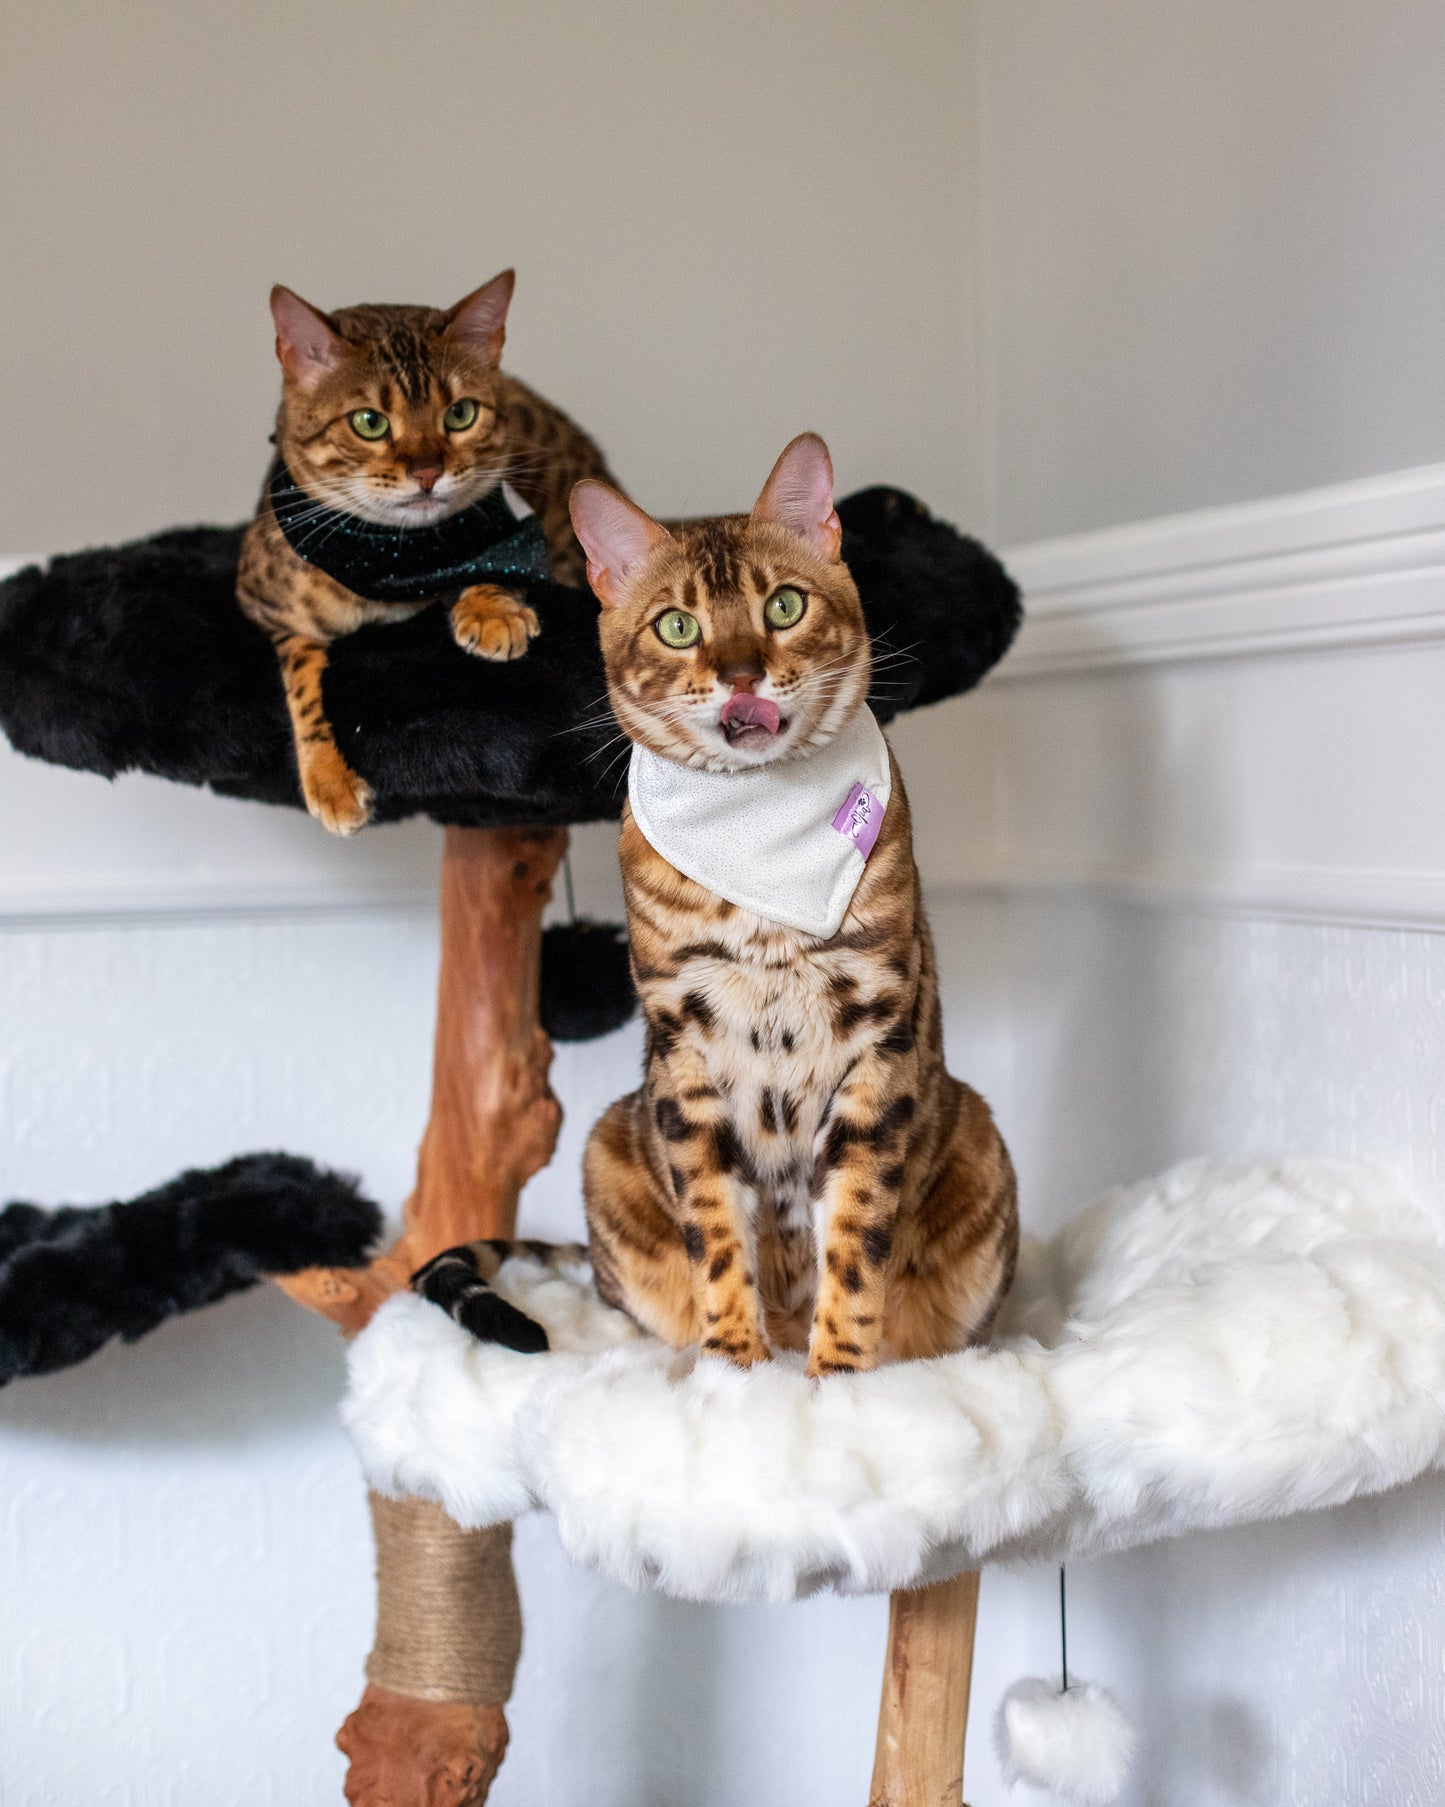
(860, 819)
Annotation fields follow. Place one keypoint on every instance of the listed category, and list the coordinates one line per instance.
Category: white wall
(1218, 874)
(1214, 261)
(1212, 271)
(729, 224)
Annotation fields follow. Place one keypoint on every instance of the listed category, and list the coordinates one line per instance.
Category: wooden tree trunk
(493, 1124)
(923, 1715)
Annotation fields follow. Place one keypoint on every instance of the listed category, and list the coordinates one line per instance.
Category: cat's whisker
(615, 763)
(586, 727)
(606, 747)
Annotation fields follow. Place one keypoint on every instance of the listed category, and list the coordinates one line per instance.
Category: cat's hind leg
(492, 623)
(640, 1256)
(953, 1260)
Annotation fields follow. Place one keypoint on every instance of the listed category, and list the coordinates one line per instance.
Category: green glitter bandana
(480, 544)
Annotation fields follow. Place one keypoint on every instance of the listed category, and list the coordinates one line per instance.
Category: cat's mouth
(750, 722)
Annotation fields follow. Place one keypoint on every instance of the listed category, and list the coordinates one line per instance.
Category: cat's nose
(743, 678)
(425, 476)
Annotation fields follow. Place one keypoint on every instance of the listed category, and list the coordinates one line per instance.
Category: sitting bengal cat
(797, 1170)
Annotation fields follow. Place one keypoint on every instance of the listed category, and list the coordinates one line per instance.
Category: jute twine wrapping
(448, 1621)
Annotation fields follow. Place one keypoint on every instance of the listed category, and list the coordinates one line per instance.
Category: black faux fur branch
(72, 1279)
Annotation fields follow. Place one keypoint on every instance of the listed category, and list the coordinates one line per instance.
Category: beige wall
(730, 222)
(1214, 238)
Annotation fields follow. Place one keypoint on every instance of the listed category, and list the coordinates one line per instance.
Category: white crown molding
(1356, 564)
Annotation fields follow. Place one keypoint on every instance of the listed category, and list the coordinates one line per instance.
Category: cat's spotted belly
(768, 1039)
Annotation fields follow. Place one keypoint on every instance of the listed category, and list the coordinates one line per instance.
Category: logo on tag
(860, 819)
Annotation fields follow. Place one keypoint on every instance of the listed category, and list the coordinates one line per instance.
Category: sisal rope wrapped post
(448, 1620)
(430, 1730)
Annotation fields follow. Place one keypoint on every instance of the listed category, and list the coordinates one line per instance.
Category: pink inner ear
(799, 495)
(617, 537)
(480, 319)
(305, 343)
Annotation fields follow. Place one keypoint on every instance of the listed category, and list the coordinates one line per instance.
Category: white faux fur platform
(1225, 1343)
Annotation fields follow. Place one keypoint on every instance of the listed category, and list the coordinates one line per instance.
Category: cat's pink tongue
(746, 711)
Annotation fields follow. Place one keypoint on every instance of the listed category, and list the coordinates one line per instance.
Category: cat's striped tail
(460, 1280)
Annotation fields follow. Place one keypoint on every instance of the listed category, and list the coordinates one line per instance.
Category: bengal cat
(406, 464)
(797, 1170)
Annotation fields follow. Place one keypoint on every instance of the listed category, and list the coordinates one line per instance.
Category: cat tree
(136, 658)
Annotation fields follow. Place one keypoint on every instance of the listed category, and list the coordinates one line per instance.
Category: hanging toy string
(1063, 1630)
(567, 881)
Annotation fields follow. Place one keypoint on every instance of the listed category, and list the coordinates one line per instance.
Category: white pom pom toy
(1076, 1741)
(1072, 1737)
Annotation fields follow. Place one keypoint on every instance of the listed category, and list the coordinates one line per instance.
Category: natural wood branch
(421, 1753)
(494, 1118)
(923, 1715)
(493, 1124)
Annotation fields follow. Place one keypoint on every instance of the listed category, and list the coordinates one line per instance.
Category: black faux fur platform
(72, 1279)
(137, 658)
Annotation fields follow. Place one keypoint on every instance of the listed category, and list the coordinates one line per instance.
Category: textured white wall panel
(1288, 1665)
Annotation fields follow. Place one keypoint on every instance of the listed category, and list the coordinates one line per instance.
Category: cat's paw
(339, 798)
(492, 623)
(828, 1357)
(742, 1349)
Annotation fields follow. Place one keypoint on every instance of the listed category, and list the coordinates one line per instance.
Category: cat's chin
(420, 511)
(416, 510)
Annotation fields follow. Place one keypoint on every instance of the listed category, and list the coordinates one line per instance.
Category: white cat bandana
(787, 841)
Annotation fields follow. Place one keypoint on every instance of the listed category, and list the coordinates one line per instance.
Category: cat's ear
(617, 537)
(479, 320)
(305, 341)
(799, 496)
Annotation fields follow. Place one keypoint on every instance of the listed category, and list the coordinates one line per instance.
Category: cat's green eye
(460, 415)
(370, 423)
(784, 608)
(678, 628)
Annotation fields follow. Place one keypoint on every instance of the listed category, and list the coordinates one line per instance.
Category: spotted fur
(798, 1169)
(410, 364)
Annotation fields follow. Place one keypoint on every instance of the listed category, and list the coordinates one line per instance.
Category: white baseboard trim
(1356, 564)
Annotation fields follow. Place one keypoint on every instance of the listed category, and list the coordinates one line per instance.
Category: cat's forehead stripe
(406, 356)
(717, 558)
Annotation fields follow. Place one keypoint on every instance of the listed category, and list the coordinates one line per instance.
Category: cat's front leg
(338, 797)
(858, 1172)
(709, 1180)
(492, 623)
